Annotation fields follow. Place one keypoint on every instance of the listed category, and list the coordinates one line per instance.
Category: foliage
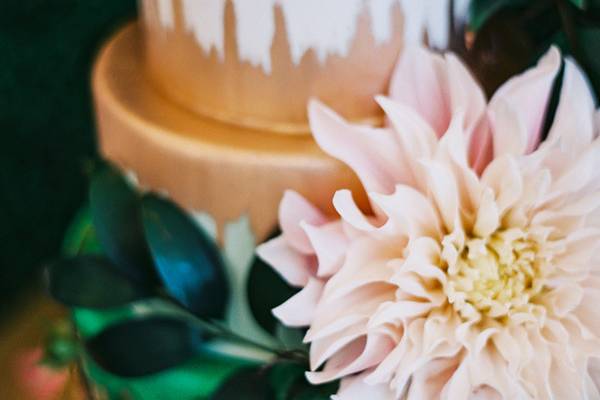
(511, 34)
(157, 282)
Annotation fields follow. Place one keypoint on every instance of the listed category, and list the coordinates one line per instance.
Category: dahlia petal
(330, 245)
(575, 113)
(374, 349)
(399, 311)
(372, 153)
(488, 215)
(420, 82)
(293, 266)
(409, 212)
(504, 178)
(355, 388)
(337, 313)
(429, 380)
(588, 312)
(367, 262)
(414, 132)
(444, 190)
(299, 309)
(465, 93)
(527, 95)
(292, 210)
(459, 385)
(323, 348)
(345, 206)
(481, 146)
(510, 132)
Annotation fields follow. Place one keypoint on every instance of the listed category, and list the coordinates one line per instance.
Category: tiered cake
(206, 99)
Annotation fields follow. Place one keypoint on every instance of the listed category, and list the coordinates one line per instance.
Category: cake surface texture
(205, 100)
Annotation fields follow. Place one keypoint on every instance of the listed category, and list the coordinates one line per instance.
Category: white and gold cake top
(326, 26)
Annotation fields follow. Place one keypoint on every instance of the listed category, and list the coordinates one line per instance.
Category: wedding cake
(205, 100)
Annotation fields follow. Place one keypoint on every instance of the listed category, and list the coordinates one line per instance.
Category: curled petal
(355, 388)
(293, 209)
(294, 267)
(420, 82)
(574, 118)
(527, 96)
(330, 244)
(372, 153)
(299, 310)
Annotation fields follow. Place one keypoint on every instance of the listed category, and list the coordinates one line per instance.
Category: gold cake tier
(212, 78)
(201, 163)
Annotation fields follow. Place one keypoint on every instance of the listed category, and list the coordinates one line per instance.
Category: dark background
(47, 48)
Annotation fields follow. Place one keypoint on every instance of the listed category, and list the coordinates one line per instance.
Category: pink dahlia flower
(476, 276)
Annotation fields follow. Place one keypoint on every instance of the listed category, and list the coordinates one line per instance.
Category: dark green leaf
(589, 42)
(582, 4)
(116, 214)
(306, 391)
(91, 281)
(266, 290)
(187, 260)
(284, 376)
(247, 384)
(80, 237)
(145, 346)
(482, 10)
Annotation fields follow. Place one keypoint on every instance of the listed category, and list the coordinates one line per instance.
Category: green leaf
(247, 384)
(589, 42)
(266, 290)
(306, 391)
(80, 237)
(91, 281)
(284, 376)
(115, 208)
(482, 10)
(140, 347)
(582, 4)
(187, 260)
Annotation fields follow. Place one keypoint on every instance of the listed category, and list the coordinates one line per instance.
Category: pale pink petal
(292, 210)
(488, 215)
(409, 212)
(294, 267)
(420, 82)
(345, 206)
(527, 96)
(330, 245)
(355, 388)
(510, 132)
(562, 300)
(466, 95)
(372, 153)
(574, 118)
(429, 380)
(445, 193)
(367, 353)
(481, 146)
(299, 310)
(504, 178)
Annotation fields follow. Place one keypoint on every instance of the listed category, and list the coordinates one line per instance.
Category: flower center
(495, 276)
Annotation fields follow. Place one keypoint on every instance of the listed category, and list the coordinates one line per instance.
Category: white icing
(381, 19)
(254, 35)
(438, 22)
(205, 19)
(166, 13)
(327, 27)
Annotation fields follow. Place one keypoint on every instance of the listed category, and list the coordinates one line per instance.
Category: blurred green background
(47, 48)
